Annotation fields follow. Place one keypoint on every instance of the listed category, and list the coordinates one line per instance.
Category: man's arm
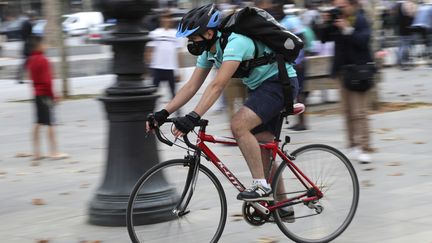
(188, 90)
(215, 88)
(178, 77)
(148, 55)
(46, 76)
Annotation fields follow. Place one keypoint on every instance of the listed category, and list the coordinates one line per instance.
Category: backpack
(259, 25)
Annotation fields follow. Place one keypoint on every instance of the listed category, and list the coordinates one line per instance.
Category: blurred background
(49, 202)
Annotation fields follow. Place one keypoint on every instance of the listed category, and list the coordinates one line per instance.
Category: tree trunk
(54, 37)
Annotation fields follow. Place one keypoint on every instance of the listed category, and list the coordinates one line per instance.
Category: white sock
(262, 182)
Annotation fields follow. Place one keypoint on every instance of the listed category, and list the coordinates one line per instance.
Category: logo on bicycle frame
(229, 175)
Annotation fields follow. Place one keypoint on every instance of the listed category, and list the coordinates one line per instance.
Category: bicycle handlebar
(168, 142)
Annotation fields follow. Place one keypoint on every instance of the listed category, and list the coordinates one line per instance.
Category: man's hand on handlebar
(185, 124)
(156, 119)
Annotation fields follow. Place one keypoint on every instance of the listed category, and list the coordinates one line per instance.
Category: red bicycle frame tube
(273, 146)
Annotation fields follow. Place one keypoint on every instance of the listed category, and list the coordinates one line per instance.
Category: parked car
(12, 29)
(39, 27)
(79, 23)
(98, 32)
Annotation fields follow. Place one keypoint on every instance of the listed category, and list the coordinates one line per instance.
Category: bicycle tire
(206, 206)
(306, 229)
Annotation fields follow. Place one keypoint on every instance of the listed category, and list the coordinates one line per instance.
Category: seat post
(282, 115)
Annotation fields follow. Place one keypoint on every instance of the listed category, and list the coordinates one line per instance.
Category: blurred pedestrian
(349, 28)
(405, 12)
(26, 34)
(422, 24)
(163, 53)
(294, 24)
(274, 9)
(40, 73)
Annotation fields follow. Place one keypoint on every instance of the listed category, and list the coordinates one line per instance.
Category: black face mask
(197, 48)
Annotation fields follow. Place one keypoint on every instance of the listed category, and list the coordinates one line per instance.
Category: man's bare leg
(241, 125)
(52, 141)
(265, 157)
(36, 141)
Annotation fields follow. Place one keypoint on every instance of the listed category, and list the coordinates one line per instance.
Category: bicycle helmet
(199, 20)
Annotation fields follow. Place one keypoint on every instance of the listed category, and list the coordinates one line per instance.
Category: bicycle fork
(189, 187)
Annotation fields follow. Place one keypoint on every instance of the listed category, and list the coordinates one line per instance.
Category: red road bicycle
(316, 183)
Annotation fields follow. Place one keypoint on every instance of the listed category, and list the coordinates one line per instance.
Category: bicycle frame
(274, 148)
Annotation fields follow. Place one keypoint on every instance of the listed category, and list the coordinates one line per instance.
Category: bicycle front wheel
(325, 219)
(152, 214)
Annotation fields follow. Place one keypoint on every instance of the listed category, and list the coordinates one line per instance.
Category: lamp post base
(131, 152)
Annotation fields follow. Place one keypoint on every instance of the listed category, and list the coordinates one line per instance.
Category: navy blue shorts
(267, 101)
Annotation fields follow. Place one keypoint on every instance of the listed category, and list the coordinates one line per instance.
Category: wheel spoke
(205, 214)
(337, 180)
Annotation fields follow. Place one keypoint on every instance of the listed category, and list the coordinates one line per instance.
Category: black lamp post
(127, 103)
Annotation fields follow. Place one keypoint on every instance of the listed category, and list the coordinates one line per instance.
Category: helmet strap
(211, 42)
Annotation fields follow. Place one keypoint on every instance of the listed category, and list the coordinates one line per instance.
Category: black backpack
(259, 25)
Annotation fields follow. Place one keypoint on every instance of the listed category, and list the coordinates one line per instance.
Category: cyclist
(258, 118)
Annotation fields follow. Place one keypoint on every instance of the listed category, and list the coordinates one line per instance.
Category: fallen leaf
(366, 183)
(394, 164)
(3, 172)
(396, 174)
(369, 169)
(23, 155)
(64, 193)
(419, 142)
(391, 138)
(42, 241)
(236, 219)
(84, 185)
(237, 215)
(21, 173)
(383, 130)
(38, 201)
(73, 162)
(267, 240)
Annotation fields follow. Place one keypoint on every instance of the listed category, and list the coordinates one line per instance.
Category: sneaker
(354, 153)
(256, 192)
(364, 158)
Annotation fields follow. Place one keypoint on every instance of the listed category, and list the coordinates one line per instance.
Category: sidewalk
(395, 190)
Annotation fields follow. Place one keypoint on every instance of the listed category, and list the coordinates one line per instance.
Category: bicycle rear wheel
(205, 215)
(325, 219)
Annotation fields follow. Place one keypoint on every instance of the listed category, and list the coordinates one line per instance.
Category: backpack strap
(286, 84)
(247, 65)
(224, 40)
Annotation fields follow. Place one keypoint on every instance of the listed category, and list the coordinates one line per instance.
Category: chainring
(253, 216)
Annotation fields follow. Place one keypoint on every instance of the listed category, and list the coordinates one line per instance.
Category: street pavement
(395, 191)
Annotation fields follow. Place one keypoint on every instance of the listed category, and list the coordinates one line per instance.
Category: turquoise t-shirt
(240, 48)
